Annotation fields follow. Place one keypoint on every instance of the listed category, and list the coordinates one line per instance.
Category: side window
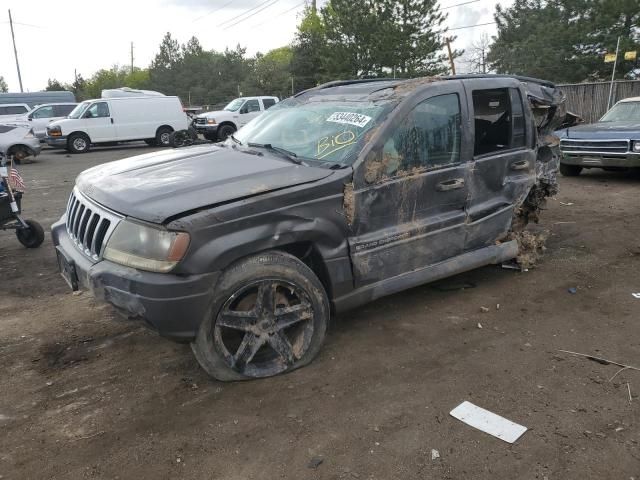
(43, 112)
(97, 110)
(268, 102)
(62, 110)
(252, 106)
(13, 110)
(518, 127)
(428, 137)
(498, 119)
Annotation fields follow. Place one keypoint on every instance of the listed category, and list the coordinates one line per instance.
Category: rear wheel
(163, 137)
(269, 316)
(570, 170)
(78, 143)
(31, 237)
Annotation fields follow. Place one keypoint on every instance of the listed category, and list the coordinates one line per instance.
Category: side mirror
(30, 118)
(244, 110)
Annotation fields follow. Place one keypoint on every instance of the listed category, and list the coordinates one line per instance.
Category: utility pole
(15, 51)
(613, 74)
(132, 58)
(292, 92)
(453, 66)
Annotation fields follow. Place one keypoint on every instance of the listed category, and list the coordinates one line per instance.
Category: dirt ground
(85, 395)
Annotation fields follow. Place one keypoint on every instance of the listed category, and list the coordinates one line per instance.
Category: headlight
(636, 146)
(145, 247)
(211, 121)
(54, 131)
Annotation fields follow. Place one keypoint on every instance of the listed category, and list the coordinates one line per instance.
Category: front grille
(201, 121)
(89, 225)
(619, 147)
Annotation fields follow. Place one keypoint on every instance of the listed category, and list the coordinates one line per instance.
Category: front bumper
(173, 305)
(60, 142)
(630, 160)
(35, 147)
(204, 128)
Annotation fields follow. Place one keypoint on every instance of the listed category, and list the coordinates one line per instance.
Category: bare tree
(475, 57)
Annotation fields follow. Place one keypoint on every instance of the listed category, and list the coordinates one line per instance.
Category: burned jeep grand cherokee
(335, 197)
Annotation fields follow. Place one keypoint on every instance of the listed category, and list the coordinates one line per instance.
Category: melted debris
(531, 247)
(349, 203)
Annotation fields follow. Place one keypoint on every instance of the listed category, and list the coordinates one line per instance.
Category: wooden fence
(589, 100)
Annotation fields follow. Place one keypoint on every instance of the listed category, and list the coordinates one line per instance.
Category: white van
(109, 120)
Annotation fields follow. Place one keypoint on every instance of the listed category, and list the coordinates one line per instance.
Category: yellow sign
(609, 58)
(630, 55)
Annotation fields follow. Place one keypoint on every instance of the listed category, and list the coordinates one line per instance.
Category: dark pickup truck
(612, 143)
(332, 198)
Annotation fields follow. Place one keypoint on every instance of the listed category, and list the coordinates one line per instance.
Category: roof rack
(500, 75)
(341, 83)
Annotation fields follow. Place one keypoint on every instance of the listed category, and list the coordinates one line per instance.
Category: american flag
(15, 180)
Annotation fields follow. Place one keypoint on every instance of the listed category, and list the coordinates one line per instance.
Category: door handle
(522, 165)
(452, 184)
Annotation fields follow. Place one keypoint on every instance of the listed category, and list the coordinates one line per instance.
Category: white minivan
(109, 120)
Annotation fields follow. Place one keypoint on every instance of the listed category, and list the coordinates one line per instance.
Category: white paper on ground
(488, 422)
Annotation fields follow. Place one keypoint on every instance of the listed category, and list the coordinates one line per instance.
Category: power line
(212, 11)
(254, 13)
(459, 4)
(280, 14)
(243, 13)
(471, 26)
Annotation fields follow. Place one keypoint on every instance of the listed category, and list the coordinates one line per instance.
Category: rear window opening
(498, 119)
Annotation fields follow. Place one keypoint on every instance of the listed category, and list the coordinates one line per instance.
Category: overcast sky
(53, 39)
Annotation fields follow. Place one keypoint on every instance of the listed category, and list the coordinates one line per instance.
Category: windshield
(235, 105)
(325, 131)
(79, 110)
(623, 112)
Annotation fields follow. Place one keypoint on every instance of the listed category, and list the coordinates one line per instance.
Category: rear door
(99, 123)
(410, 194)
(504, 159)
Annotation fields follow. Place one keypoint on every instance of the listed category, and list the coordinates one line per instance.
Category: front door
(504, 159)
(99, 123)
(409, 200)
(249, 111)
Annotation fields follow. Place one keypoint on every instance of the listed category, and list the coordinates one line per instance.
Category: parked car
(120, 119)
(332, 198)
(32, 99)
(42, 115)
(19, 142)
(612, 143)
(218, 125)
(11, 110)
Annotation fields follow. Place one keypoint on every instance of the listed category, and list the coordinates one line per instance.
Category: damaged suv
(332, 198)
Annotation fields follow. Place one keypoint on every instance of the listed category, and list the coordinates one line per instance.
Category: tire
(242, 338)
(151, 142)
(19, 154)
(31, 237)
(78, 143)
(163, 137)
(212, 137)
(180, 138)
(570, 170)
(225, 131)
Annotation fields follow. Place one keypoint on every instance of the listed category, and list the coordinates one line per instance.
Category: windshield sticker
(329, 145)
(349, 118)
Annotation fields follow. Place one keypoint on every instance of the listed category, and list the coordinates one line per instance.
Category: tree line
(558, 40)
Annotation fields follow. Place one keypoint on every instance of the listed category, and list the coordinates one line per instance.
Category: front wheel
(225, 131)
(570, 170)
(31, 237)
(269, 316)
(78, 143)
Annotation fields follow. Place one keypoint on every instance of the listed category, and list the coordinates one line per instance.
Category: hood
(159, 185)
(214, 113)
(605, 130)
